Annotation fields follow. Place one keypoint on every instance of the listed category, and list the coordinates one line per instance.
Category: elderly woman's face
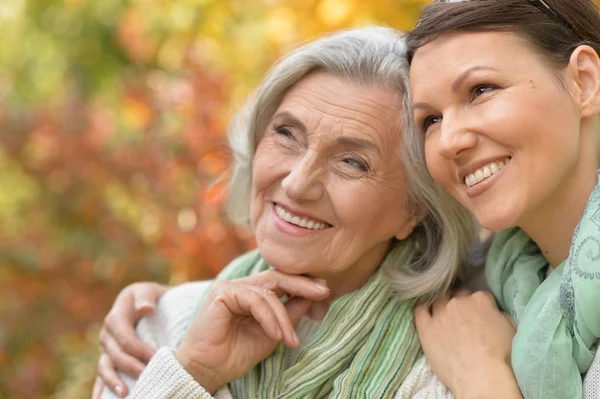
(329, 190)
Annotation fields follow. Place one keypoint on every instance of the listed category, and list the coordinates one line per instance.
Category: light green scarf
(364, 348)
(558, 316)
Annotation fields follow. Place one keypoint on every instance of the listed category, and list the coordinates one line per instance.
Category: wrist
(496, 383)
(205, 376)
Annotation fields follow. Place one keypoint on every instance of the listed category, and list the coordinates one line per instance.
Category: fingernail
(145, 304)
(119, 390)
(320, 281)
(322, 287)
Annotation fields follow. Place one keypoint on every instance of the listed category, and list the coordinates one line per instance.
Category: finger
(109, 376)
(120, 359)
(440, 303)
(296, 307)
(486, 298)
(512, 321)
(285, 324)
(462, 293)
(422, 318)
(121, 329)
(282, 284)
(241, 301)
(146, 296)
(98, 387)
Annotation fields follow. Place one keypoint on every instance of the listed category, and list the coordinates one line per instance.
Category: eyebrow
(457, 83)
(463, 76)
(290, 117)
(358, 142)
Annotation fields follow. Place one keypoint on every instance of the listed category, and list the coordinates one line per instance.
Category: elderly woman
(349, 235)
(510, 122)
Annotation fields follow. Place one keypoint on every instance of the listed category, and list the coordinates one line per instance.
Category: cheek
(434, 161)
(260, 183)
(264, 167)
(380, 204)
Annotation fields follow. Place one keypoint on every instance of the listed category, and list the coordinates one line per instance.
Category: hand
(467, 342)
(241, 323)
(121, 348)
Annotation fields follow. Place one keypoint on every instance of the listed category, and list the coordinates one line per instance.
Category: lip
(292, 229)
(472, 167)
(484, 185)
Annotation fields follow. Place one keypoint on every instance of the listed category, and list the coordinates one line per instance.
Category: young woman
(506, 98)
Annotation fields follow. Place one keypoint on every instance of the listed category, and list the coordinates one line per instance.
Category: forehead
(322, 99)
(452, 53)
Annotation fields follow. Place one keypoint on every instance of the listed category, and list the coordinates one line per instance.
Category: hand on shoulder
(467, 341)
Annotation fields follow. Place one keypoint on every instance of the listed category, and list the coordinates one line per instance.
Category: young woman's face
(501, 131)
(329, 188)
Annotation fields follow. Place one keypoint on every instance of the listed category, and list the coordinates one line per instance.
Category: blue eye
(284, 131)
(357, 163)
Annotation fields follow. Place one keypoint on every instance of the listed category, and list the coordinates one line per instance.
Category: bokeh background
(113, 161)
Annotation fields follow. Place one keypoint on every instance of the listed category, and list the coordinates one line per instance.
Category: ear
(584, 68)
(419, 212)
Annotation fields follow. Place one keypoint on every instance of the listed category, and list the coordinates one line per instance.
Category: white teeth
(483, 173)
(487, 172)
(479, 175)
(298, 221)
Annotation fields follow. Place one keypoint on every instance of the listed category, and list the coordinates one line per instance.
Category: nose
(456, 136)
(304, 182)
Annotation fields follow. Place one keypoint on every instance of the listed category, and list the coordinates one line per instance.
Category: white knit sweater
(164, 377)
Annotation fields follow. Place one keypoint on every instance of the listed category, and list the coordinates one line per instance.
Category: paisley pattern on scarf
(558, 318)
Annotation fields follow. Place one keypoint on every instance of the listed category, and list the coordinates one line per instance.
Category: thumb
(146, 296)
(422, 318)
(296, 308)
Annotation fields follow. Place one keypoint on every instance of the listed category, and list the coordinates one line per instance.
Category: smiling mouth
(300, 221)
(486, 171)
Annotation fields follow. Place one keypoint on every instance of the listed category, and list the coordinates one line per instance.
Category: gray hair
(369, 55)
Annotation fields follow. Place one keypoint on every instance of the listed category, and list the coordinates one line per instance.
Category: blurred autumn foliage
(112, 153)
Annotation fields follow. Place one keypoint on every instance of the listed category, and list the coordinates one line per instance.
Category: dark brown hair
(551, 39)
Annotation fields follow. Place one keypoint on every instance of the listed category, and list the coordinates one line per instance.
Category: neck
(348, 280)
(553, 224)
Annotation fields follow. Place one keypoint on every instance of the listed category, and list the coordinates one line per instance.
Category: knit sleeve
(165, 378)
(165, 328)
(421, 383)
(591, 382)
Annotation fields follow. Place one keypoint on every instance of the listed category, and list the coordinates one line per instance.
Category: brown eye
(482, 89)
(429, 121)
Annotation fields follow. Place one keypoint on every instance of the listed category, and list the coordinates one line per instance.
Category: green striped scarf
(364, 348)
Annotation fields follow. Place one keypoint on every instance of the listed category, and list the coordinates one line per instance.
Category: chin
(498, 215)
(496, 223)
(280, 259)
